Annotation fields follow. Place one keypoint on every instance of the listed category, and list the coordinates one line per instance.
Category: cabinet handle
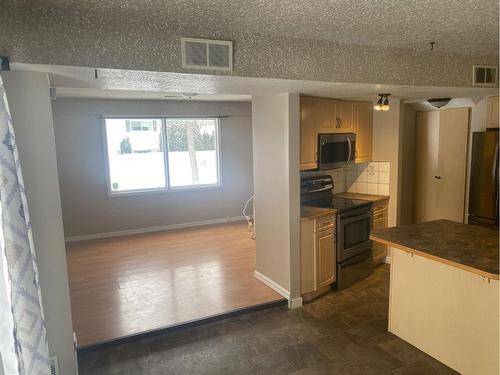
(438, 177)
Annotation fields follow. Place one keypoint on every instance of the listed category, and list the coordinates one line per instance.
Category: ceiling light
(378, 106)
(385, 106)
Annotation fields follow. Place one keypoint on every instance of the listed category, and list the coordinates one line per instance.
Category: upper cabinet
(308, 133)
(344, 117)
(363, 128)
(492, 115)
(321, 115)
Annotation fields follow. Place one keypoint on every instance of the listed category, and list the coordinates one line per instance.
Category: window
(162, 154)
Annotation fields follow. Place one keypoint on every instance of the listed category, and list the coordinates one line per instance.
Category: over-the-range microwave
(336, 150)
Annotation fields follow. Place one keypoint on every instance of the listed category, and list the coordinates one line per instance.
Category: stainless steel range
(354, 220)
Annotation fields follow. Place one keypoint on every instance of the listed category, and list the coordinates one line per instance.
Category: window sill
(131, 193)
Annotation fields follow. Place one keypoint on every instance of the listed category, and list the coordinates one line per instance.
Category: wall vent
(207, 54)
(484, 75)
(54, 366)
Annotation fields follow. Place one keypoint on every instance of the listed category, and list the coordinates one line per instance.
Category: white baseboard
(153, 229)
(295, 303)
(387, 260)
(271, 284)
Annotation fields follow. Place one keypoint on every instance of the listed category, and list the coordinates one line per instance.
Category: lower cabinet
(380, 221)
(317, 256)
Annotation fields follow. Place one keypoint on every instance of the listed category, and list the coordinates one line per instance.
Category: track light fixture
(383, 103)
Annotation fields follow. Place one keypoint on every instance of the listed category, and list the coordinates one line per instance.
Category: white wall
(87, 208)
(29, 102)
(275, 124)
(386, 139)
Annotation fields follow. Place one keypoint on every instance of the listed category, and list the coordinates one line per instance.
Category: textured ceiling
(459, 26)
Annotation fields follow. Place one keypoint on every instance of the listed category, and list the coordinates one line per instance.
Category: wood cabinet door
(363, 128)
(427, 150)
(325, 258)
(344, 117)
(452, 162)
(308, 133)
(326, 115)
(492, 120)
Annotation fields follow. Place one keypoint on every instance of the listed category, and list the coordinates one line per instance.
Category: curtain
(23, 338)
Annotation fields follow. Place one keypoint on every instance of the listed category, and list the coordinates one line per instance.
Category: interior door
(427, 151)
(452, 162)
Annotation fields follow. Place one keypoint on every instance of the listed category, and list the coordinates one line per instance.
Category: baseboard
(161, 228)
(387, 260)
(295, 303)
(271, 284)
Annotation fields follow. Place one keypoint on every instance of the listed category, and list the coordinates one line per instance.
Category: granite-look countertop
(469, 247)
(363, 197)
(310, 212)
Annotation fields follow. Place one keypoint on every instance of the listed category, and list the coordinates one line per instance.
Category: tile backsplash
(365, 178)
(368, 178)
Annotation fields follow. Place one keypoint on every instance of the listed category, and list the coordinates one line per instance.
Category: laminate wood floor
(342, 333)
(133, 284)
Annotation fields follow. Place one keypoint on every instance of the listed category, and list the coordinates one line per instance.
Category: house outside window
(162, 154)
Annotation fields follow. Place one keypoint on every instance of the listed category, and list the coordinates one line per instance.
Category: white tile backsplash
(383, 177)
(368, 178)
(364, 178)
(383, 189)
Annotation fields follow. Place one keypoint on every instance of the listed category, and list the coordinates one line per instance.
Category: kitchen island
(444, 292)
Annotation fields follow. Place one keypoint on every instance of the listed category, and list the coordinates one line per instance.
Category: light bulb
(378, 106)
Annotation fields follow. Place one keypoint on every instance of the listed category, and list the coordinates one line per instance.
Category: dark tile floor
(340, 333)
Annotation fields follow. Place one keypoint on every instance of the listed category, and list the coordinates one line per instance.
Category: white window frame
(167, 188)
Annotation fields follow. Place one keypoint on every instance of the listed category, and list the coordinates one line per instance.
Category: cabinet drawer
(325, 223)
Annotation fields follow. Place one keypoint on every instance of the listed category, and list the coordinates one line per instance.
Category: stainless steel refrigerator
(483, 193)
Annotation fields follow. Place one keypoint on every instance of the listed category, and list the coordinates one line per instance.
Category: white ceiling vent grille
(483, 75)
(54, 366)
(207, 54)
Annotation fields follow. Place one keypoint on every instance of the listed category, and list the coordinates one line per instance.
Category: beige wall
(386, 133)
(275, 121)
(87, 209)
(29, 102)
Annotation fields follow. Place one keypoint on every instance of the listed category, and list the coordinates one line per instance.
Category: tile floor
(340, 333)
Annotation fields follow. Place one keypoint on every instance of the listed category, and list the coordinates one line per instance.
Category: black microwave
(336, 150)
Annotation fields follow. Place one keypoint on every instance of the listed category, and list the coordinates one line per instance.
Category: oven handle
(350, 150)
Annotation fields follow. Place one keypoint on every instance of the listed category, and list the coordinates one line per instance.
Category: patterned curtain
(23, 338)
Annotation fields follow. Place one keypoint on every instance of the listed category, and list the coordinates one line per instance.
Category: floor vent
(484, 75)
(207, 54)
(54, 366)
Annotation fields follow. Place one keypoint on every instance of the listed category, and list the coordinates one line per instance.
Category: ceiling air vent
(207, 54)
(483, 75)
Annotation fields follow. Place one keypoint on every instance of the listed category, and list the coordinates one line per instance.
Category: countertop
(470, 247)
(310, 212)
(363, 197)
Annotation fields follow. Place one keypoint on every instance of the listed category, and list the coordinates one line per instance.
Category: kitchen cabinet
(441, 160)
(492, 114)
(363, 124)
(380, 221)
(326, 115)
(308, 132)
(317, 256)
(323, 115)
(344, 117)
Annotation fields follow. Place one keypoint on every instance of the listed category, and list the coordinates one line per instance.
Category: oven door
(353, 232)
(336, 150)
